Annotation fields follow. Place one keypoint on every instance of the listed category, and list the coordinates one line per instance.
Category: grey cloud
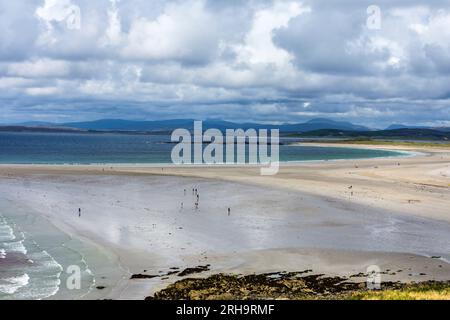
(211, 59)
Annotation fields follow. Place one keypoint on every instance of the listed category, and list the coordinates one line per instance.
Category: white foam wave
(6, 232)
(16, 246)
(2, 253)
(11, 285)
(49, 264)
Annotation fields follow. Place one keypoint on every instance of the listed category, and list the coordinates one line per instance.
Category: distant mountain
(169, 125)
(324, 128)
(49, 129)
(35, 124)
(318, 124)
(130, 125)
(403, 126)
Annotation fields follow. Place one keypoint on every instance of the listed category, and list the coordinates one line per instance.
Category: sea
(35, 256)
(108, 148)
(34, 265)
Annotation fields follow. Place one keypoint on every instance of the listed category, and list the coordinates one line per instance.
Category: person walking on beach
(229, 211)
(79, 212)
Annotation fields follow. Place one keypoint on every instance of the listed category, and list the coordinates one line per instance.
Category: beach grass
(418, 291)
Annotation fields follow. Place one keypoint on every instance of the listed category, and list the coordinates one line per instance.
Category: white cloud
(14, 82)
(41, 68)
(258, 46)
(58, 11)
(184, 32)
(42, 91)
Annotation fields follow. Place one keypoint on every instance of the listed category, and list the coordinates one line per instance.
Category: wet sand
(303, 218)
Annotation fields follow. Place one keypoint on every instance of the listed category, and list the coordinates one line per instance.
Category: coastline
(322, 187)
(420, 170)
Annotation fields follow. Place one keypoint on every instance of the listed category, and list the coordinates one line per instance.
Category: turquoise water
(70, 148)
(35, 257)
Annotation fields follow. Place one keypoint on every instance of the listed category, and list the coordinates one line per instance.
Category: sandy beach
(334, 217)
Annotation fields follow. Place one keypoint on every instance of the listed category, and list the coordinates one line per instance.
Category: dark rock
(142, 276)
(171, 272)
(197, 269)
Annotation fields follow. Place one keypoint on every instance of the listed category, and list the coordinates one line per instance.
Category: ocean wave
(38, 275)
(43, 278)
(40, 278)
(16, 246)
(6, 232)
(8, 239)
(11, 285)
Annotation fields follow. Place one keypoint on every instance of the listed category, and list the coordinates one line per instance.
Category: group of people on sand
(196, 194)
(196, 203)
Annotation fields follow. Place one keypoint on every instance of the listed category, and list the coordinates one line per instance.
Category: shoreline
(319, 189)
(308, 172)
(404, 152)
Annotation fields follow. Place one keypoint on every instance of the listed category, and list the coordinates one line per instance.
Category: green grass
(424, 291)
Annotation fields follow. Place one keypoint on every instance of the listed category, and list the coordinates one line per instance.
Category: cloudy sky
(266, 61)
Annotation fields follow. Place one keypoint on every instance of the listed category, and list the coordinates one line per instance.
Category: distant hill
(169, 125)
(317, 124)
(165, 126)
(129, 125)
(404, 126)
(323, 128)
(21, 128)
(405, 134)
(35, 124)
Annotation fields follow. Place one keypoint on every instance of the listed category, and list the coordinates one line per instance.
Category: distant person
(79, 212)
(229, 211)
